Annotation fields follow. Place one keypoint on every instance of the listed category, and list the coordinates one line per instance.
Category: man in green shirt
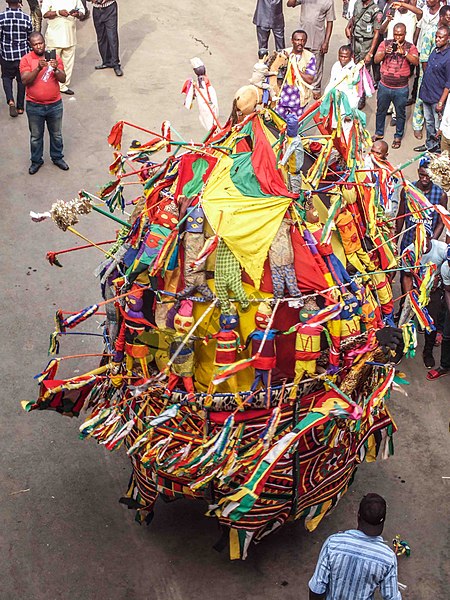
(362, 30)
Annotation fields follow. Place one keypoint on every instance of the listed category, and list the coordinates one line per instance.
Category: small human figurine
(346, 325)
(204, 93)
(193, 242)
(307, 340)
(228, 277)
(261, 74)
(228, 345)
(364, 263)
(136, 318)
(314, 227)
(182, 366)
(294, 155)
(265, 358)
(281, 258)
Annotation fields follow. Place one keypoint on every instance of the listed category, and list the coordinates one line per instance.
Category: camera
(50, 55)
(394, 46)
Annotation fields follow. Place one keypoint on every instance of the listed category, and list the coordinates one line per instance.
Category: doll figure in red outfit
(265, 357)
(228, 344)
(307, 340)
(136, 318)
(182, 366)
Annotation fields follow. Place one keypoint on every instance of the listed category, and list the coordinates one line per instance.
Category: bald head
(35, 35)
(37, 43)
(400, 27)
(379, 149)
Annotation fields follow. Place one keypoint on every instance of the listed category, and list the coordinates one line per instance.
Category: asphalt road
(63, 534)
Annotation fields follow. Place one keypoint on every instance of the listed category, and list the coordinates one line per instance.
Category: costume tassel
(115, 135)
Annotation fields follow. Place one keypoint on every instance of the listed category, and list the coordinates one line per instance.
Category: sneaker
(428, 360)
(13, 110)
(421, 148)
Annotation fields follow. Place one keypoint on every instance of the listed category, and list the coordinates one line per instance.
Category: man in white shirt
(399, 15)
(61, 34)
(341, 76)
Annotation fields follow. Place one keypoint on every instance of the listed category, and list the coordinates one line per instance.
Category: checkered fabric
(15, 27)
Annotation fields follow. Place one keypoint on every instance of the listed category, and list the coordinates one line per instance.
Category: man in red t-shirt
(396, 57)
(41, 79)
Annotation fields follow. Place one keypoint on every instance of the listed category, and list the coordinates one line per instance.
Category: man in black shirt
(269, 17)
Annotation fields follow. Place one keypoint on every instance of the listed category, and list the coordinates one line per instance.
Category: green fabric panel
(194, 185)
(243, 176)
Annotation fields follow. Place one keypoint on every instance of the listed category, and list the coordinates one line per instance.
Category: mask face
(135, 303)
(167, 215)
(305, 315)
(351, 308)
(261, 320)
(228, 322)
(195, 220)
(182, 324)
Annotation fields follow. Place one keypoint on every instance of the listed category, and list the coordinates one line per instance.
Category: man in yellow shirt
(61, 33)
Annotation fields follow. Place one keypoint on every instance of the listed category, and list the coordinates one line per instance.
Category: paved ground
(65, 536)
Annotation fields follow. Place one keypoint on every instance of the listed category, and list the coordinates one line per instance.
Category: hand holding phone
(50, 55)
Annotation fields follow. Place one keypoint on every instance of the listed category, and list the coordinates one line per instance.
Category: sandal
(436, 373)
(375, 138)
(20, 111)
(396, 143)
(12, 110)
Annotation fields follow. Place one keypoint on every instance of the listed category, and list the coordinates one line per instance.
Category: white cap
(196, 62)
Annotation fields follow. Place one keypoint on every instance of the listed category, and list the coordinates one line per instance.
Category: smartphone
(392, 12)
(50, 55)
(394, 46)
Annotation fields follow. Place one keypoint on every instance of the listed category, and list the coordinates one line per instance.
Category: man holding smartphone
(42, 75)
(396, 57)
(61, 34)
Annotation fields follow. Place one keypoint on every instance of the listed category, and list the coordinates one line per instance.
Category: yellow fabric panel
(248, 225)
(371, 455)
(311, 524)
(235, 550)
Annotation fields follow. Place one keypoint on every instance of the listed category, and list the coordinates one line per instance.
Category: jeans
(38, 116)
(432, 123)
(263, 37)
(10, 71)
(399, 98)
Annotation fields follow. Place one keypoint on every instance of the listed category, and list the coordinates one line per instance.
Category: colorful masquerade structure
(242, 298)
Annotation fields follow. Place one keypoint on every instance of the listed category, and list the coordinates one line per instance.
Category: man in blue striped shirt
(354, 563)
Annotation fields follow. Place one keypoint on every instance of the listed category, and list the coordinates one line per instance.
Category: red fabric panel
(309, 276)
(185, 172)
(264, 164)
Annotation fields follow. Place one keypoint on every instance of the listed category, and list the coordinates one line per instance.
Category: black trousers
(264, 34)
(434, 308)
(445, 347)
(105, 23)
(10, 71)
